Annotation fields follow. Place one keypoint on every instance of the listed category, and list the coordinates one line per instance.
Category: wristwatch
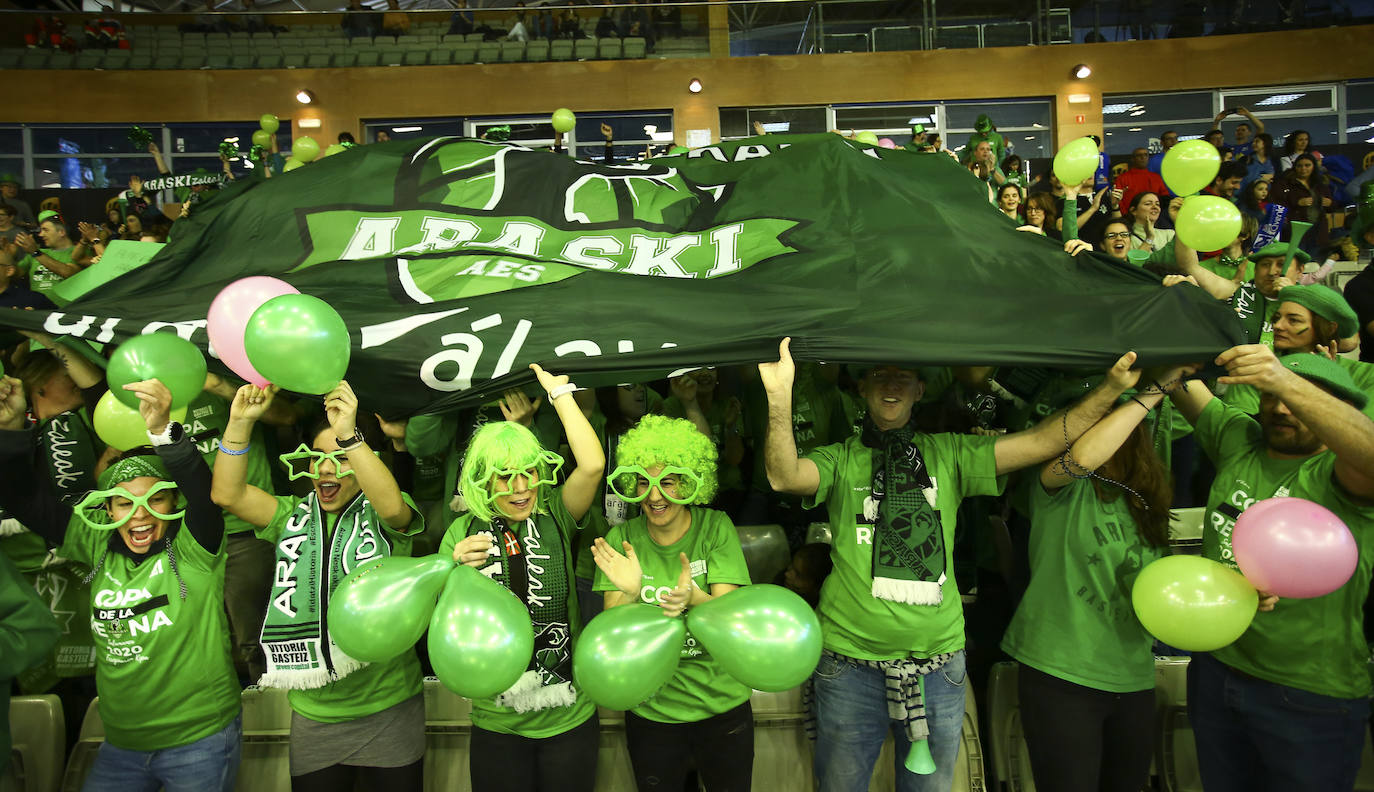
(345, 443)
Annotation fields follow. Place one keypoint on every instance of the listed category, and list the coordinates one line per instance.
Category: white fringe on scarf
(11, 527)
(309, 679)
(528, 695)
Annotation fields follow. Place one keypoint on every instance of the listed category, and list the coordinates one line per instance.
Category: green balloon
(384, 607)
(262, 137)
(563, 120)
(765, 636)
(1193, 603)
(291, 164)
(1077, 161)
(871, 138)
(269, 124)
(305, 149)
(332, 149)
(480, 639)
(167, 357)
(1190, 166)
(123, 427)
(1207, 222)
(298, 342)
(626, 654)
(676, 150)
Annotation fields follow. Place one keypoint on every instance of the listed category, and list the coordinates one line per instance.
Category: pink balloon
(887, 143)
(1294, 548)
(228, 318)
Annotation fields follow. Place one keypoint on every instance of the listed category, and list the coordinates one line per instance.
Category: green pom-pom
(228, 150)
(256, 153)
(497, 134)
(140, 137)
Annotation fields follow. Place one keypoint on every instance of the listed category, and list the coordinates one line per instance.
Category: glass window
(1031, 145)
(88, 140)
(1004, 115)
(1360, 96)
(1124, 139)
(1158, 107)
(205, 138)
(640, 128)
(1281, 98)
(11, 140)
(885, 117)
(629, 152)
(402, 129)
(1359, 127)
(787, 119)
(734, 123)
(1322, 128)
(74, 173)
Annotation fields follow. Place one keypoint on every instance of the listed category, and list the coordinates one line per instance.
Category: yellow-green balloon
(1193, 603)
(262, 137)
(1207, 222)
(626, 654)
(123, 427)
(480, 639)
(563, 120)
(166, 357)
(304, 148)
(1077, 161)
(871, 138)
(291, 164)
(269, 123)
(1190, 166)
(764, 636)
(332, 149)
(382, 609)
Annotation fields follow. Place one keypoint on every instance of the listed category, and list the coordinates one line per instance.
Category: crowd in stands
(974, 514)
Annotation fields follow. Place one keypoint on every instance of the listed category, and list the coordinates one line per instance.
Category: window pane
(1359, 128)
(885, 117)
(1322, 128)
(88, 140)
(1004, 115)
(1279, 99)
(1158, 107)
(1123, 139)
(11, 141)
(1360, 96)
(100, 172)
(402, 129)
(734, 122)
(796, 119)
(629, 152)
(205, 138)
(625, 128)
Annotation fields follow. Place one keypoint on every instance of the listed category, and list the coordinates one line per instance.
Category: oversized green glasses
(632, 483)
(160, 501)
(481, 486)
(304, 462)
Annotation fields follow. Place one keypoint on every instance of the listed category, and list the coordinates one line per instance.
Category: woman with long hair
(1099, 514)
(1009, 201)
(1143, 213)
(1261, 162)
(1040, 212)
(1304, 190)
(1298, 142)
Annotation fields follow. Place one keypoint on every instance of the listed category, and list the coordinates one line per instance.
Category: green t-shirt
(41, 279)
(854, 622)
(1076, 621)
(1363, 374)
(1316, 644)
(700, 688)
(206, 418)
(162, 663)
(556, 538)
(375, 686)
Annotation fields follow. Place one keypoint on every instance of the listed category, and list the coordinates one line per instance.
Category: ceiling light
(308, 123)
(304, 96)
(1134, 129)
(1279, 99)
(1135, 113)
(1081, 72)
(694, 86)
(1080, 98)
(406, 129)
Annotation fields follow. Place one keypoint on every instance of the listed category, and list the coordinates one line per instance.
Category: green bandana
(909, 557)
(133, 467)
(300, 653)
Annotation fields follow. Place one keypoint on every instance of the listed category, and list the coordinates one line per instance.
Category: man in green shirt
(890, 611)
(1285, 707)
(49, 265)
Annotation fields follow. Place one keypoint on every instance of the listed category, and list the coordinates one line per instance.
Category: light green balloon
(1190, 166)
(626, 654)
(563, 120)
(480, 639)
(764, 636)
(166, 357)
(304, 148)
(1193, 603)
(299, 342)
(382, 609)
(269, 123)
(123, 427)
(262, 137)
(291, 164)
(332, 149)
(1077, 161)
(1207, 222)
(871, 138)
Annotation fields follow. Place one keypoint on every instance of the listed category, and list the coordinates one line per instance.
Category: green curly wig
(658, 440)
(500, 445)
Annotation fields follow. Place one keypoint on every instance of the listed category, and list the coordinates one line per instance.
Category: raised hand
(684, 388)
(1253, 364)
(394, 430)
(623, 571)
(1174, 280)
(778, 377)
(251, 402)
(546, 380)
(1121, 375)
(517, 407)
(472, 550)
(12, 404)
(341, 408)
(154, 404)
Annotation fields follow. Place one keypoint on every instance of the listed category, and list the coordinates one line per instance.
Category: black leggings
(720, 748)
(343, 778)
(1085, 740)
(510, 763)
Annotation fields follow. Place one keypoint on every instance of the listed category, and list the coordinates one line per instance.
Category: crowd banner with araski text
(455, 263)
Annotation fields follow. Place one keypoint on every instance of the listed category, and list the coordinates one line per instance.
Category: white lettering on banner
(532, 559)
(141, 624)
(374, 236)
(60, 452)
(440, 234)
(185, 329)
(864, 534)
(289, 545)
(657, 256)
(579, 251)
(654, 595)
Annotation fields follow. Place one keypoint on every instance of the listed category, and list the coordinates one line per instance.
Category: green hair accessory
(228, 150)
(132, 467)
(95, 501)
(304, 462)
(140, 137)
(625, 483)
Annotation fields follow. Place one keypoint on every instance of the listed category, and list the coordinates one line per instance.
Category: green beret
(1279, 249)
(1328, 374)
(1325, 302)
(10, 178)
(48, 214)
(133, 467)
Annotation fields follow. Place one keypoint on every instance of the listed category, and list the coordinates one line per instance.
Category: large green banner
(457, 262)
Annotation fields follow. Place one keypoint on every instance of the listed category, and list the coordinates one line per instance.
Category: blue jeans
(210, 763)
(1254, 735)
(852, 723)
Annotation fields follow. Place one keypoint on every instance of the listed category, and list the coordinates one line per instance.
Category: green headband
(133, 467)
(624, 482)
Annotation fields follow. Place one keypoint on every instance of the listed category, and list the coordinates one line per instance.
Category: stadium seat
(166, 61)
(1175, 751)
(265, 764)
(39, 733)
(464, 53)
(448, 730)
(512, 51)
(782, 752)
(218, 61)
(10, 58)
(765, 551)
(609, 48)
(241, 61)
(391, 56)
(584, 48)
(613, 770)
(345, 59)
(270, 61)
(83, 753)
(537, 50)
(293, 60)
(415, 57)
(34, 59)
(560, 50)
(475, 38)
(1186, 524)
(368, 58)
(211, 38)
(318, 60)
(635, 47)
(62, 60)
(91, 59)
(139, 61)
(489, 52)
(1007, 745)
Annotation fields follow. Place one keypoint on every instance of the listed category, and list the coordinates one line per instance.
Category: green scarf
(1253, 308)
(300, 652)
(909, 558)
